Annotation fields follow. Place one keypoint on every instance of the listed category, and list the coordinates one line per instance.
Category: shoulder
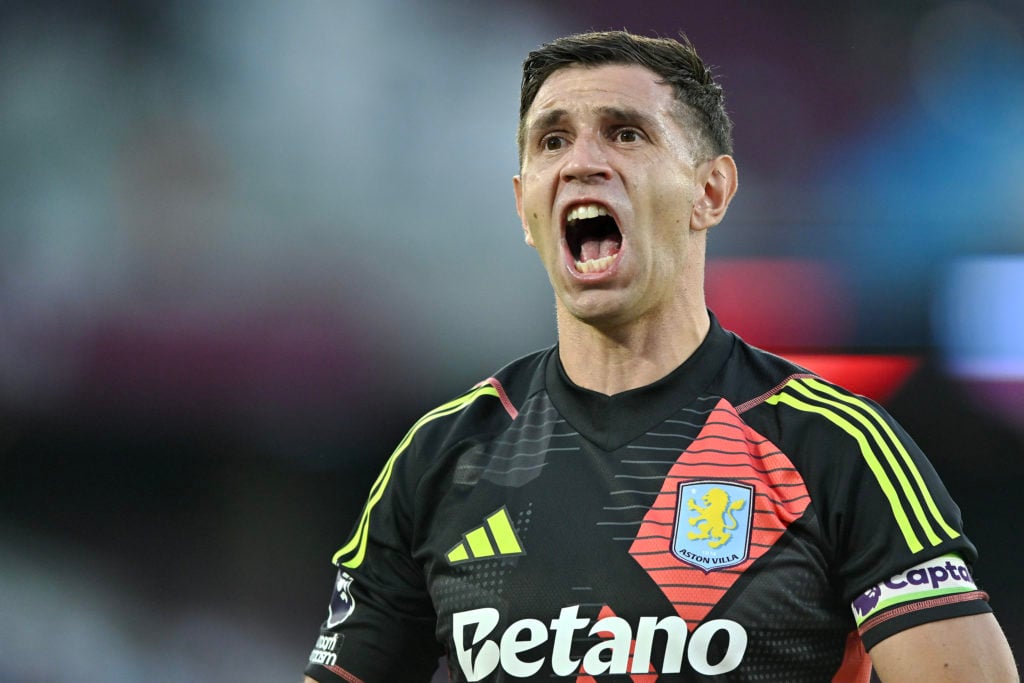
(843, 444)
(432, 444)
(487, 408)
(791, 404)
(883, 504)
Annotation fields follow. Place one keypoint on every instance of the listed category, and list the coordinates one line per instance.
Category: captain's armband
(937, 582)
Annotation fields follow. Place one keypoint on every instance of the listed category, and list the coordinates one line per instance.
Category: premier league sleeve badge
(342, 603)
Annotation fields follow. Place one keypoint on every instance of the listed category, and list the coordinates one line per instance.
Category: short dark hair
(675, 61)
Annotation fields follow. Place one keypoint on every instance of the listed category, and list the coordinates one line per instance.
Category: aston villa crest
(713, 523)
(342, 603)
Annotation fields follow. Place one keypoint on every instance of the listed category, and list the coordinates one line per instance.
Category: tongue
(593, 248)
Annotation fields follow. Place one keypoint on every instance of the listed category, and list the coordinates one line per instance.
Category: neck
(611, 361)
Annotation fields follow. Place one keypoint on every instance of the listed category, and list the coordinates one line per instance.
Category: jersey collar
(613, 421)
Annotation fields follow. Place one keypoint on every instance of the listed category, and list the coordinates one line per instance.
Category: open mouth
(593, 238)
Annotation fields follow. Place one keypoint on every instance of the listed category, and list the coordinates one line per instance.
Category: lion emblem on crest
(714, 521)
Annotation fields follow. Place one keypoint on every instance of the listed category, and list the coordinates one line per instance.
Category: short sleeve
(901, 555)
(380, 622)
(939, 588)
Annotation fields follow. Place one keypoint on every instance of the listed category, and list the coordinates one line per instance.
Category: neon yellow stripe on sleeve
(355, 548)
(869, 457)
(879, 445)
(908, 462)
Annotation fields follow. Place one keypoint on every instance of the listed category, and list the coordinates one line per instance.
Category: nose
(586, 161)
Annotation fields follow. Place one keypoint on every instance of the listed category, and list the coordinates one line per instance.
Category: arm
(380, 622)
(971, 648)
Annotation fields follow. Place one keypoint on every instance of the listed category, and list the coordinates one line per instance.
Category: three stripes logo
(912, 505)
(496, 537)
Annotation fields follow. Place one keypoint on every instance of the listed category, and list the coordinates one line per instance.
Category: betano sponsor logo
(944, 575)
(528, 645)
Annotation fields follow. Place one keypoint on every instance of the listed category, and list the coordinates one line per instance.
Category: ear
(517, 188)
(719, 178)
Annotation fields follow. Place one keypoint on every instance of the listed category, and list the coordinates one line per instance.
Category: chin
(603, 314)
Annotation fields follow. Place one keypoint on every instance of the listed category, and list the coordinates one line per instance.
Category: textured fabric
(735, 520)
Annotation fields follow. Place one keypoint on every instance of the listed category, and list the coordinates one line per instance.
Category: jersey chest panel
(694, 518)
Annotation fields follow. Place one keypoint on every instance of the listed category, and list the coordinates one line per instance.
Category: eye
(627, 135)
(553, 142)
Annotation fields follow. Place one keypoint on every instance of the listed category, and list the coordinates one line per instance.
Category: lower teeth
(595, 265)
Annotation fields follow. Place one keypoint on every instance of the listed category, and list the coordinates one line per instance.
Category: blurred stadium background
(245, 243)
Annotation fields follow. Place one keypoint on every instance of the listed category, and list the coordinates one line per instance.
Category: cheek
(534, 205)
(537, 236)
(548, 246)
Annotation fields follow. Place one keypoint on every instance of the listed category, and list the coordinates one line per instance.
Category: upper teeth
(586, 211)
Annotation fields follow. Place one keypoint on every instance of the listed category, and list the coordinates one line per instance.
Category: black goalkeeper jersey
(739, 520)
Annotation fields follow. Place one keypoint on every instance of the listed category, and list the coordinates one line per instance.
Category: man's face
(606, 193)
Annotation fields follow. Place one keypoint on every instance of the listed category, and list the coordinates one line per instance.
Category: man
(652, 498)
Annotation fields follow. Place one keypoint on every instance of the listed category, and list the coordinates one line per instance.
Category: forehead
(578, 89)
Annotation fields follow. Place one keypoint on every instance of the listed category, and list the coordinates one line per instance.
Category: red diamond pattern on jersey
(726, 449)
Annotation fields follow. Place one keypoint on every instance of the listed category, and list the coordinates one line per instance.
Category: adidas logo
(494, 538)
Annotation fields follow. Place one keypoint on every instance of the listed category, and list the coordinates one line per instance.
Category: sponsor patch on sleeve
(326, 651)
(946, 575)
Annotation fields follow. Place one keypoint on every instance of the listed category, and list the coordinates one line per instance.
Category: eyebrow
(627, 115)
(547, 120)
(617, 114)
